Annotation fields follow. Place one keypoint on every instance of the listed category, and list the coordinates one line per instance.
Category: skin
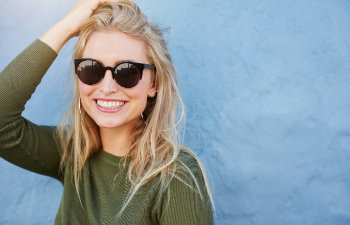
(109, 48)
(70, 24)
(115, 129)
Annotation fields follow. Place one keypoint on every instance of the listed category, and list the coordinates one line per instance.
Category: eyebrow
(115, 62)
(125, 60)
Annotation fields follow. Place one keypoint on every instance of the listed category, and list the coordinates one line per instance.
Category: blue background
(265, 85)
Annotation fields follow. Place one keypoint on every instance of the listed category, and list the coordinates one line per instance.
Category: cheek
(138, 97)
(143, 89)
(85, 91)
(138, 94)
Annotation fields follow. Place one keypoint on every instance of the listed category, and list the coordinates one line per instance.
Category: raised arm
(23, 143)
(69, 26)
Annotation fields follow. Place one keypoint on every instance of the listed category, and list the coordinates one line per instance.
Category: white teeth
(110, 104)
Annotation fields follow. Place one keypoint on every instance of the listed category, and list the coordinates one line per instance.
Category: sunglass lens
(127, 75)
(90, 72)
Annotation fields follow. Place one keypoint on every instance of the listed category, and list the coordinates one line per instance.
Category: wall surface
(265, 85)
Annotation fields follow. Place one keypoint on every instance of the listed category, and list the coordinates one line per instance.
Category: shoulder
(187, 196)
(189, 170)
(189, 160)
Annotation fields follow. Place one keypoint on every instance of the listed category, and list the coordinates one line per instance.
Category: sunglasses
(127, 74)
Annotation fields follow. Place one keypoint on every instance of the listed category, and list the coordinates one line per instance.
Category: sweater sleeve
(182, 203)
(23, 143)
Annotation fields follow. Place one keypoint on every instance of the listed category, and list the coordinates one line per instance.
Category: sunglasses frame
(140, 66)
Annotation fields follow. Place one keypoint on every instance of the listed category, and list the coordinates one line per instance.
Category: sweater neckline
(110, 158)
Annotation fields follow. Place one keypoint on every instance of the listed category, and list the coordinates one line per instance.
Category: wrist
(67, 28)
(57, 35)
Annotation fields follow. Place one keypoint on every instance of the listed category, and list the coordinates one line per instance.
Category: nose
(108, 84)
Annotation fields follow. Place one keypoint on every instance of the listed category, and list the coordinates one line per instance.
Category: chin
(108, 124)
(115, 123)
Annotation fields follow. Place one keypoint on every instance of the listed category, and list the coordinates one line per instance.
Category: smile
(110, 104)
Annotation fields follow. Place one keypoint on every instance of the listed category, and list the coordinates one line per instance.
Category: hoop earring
(81, 116)
(144, 119)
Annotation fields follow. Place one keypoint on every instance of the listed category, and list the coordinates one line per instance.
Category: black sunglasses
(127, 74)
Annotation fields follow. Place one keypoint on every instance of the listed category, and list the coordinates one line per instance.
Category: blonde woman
(118, 150)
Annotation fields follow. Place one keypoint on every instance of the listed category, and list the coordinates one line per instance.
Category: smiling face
(107, 103)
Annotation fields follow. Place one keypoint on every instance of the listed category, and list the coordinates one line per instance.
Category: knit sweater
(102, 193)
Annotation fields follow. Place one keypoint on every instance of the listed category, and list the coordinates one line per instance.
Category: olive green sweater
(33, 147)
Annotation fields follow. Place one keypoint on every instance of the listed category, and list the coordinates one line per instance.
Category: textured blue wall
(265, 85)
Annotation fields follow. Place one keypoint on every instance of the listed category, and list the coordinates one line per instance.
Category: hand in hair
(70, 24)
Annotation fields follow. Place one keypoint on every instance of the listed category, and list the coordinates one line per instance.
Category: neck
(115, 140)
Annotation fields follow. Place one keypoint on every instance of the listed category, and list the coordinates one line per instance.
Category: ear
(152, 91)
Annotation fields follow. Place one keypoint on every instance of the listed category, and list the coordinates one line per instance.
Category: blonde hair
(157, 141)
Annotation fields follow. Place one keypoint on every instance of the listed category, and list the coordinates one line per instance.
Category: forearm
(70, 25)
(57, 35)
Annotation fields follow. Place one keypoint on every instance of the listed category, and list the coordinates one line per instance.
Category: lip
(110, 110)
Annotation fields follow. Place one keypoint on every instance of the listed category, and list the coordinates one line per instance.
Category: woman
(117, 152)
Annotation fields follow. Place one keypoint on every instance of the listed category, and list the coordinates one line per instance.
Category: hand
(71, 23)
(79, 13)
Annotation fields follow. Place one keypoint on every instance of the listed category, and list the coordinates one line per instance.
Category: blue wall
(265, 83)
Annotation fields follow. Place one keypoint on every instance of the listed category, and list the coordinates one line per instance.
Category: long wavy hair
(157, 140)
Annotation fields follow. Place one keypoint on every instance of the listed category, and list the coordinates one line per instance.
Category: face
(107, 103)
